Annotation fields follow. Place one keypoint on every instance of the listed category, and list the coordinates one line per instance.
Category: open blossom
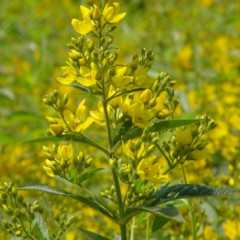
(65, 152)
(69, 75)
(111, 13)
(140, 115)
(86, 78)
(83, 26)
(121, 79)
(98, 116)
(152, 169)
(78, 122)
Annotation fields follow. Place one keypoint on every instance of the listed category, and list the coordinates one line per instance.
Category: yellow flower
(197, 155)
(141, 116)
(127, 106)
(116, 102)
(69, 74)
(85, 26)
(133, 149)
(146, 96)
(78, 121)
(184, 136)
(98, 116)
(88, 76)
(57, 129)
(141, 78)
(110, 13)
(65, 152)
(231, 228)
(49, 171)
(185, 57)
(121, 78)
(152, 169)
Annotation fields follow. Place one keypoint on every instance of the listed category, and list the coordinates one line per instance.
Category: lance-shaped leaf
(122, 131)
(39, 227)
(162, 125)
(159, 222)
(167, 194)
(88, 201)
(124, 92)
(89, 174)
(166, 212)
(92, 235)
(76, 138)
(84, 88)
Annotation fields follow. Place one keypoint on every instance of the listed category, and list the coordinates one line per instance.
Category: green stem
(148, 227)
(132, 229)
(164, 155)
(123, 227)
(194, 230)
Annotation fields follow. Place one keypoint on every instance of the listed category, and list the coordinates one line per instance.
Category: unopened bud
(146, 96)
(96, 13)
(164, 113)
(90, 46)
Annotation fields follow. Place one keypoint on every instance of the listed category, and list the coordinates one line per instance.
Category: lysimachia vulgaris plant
(126, 123)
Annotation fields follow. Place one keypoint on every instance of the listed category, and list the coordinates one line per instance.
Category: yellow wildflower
(116, 102)
(98, 116)
(110, 13)
(49, 171)
(56, 128)
(121, 78)
(184, 136)
(133, 149)
(141, 116)
(127, 106)
(152, 169)
(197, 155)
(231, 228)
(146, 96)
(85, 26)
(78, 121)
(65, 151)
(88, 76)
(69, 74)
(141, 78)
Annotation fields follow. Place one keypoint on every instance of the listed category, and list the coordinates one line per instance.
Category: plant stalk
(194, 230)
(123, 227)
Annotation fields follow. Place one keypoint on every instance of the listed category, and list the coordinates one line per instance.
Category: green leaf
(85, 89)
(122, 131)
(39, 227)
(160, 126)
(92, 235)
(188, 191)
(75, 138)
(125, 92)
(73, 175)
(79, 86)
(88, 201)
(159, 222)
(169, 124)
(89, 174)
(167, 212)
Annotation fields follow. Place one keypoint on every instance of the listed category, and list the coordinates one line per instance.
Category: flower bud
(98, 75)
(82, 62)
(146, 96)
(164, 113)
(96, 13)
(90, 46)
(57, 129)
